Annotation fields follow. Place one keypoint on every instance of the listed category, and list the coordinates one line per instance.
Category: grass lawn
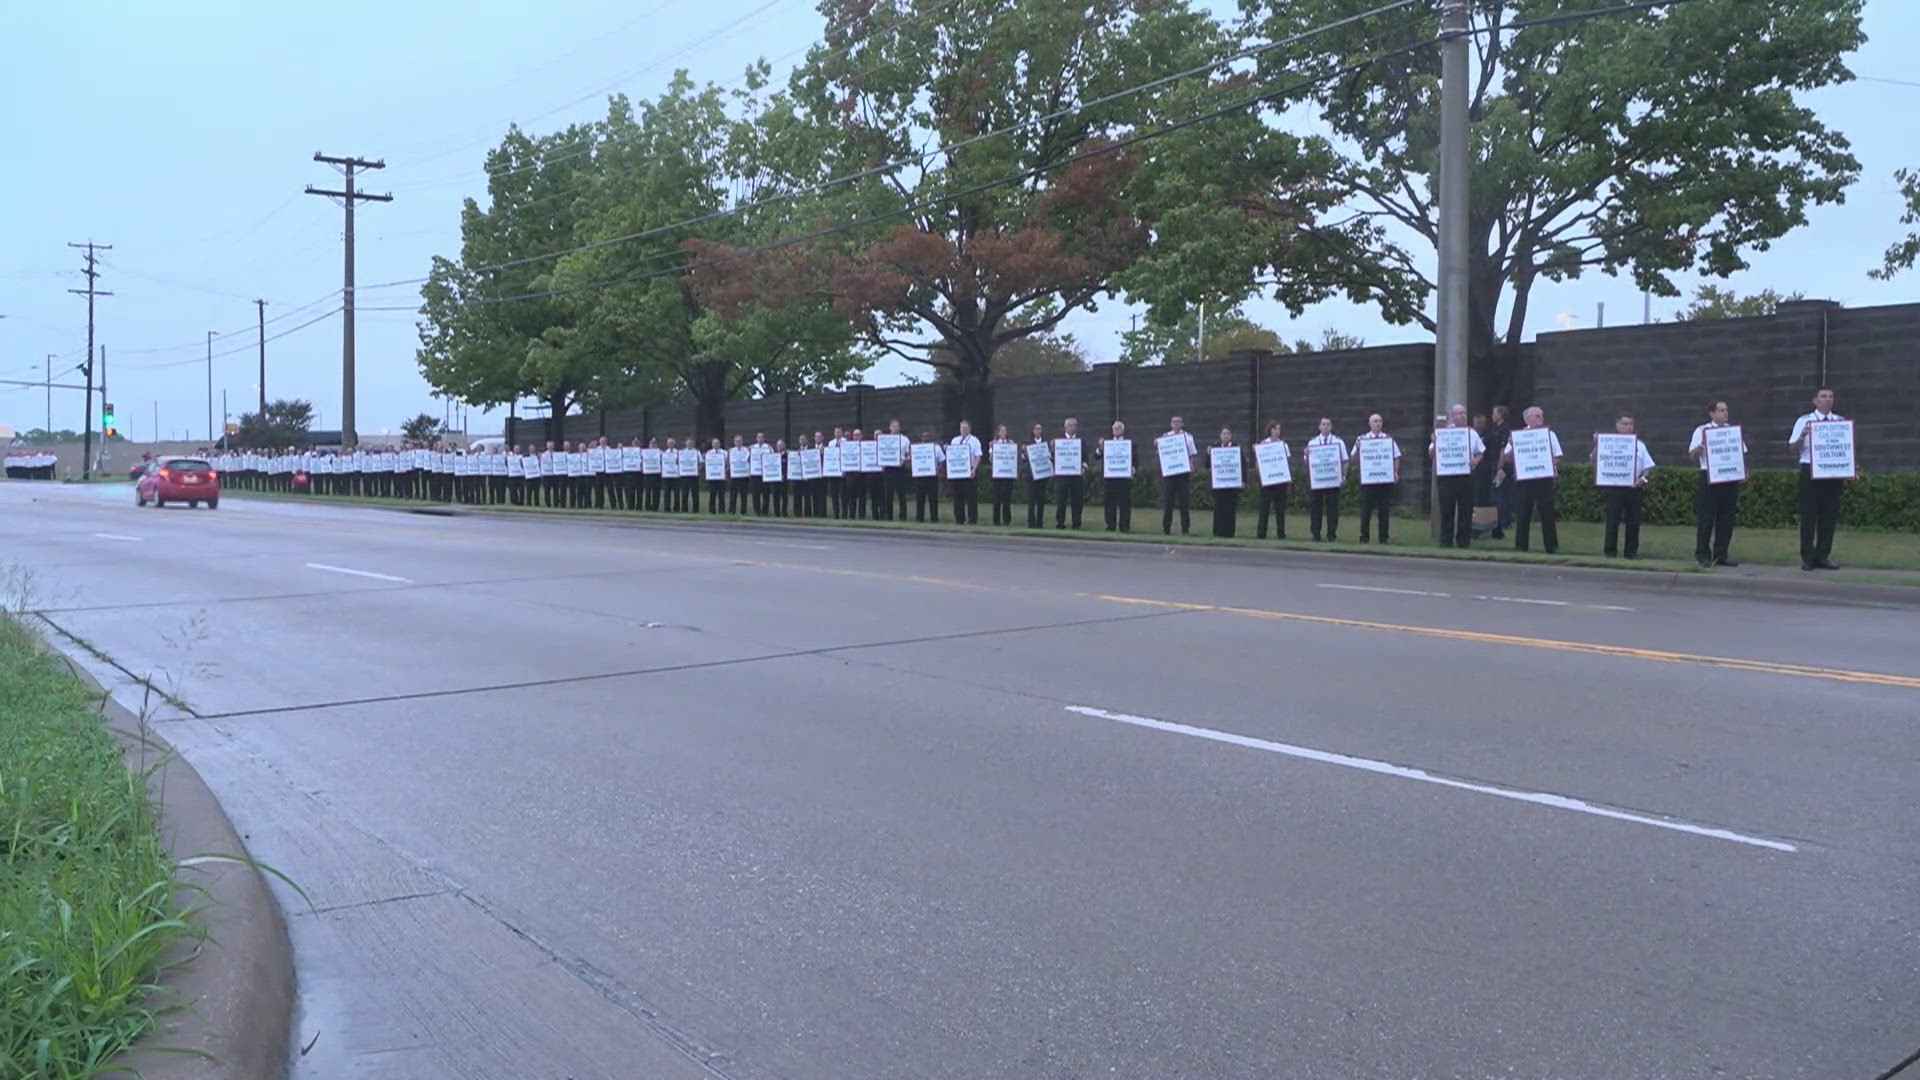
(1662, 547)
(87, 900)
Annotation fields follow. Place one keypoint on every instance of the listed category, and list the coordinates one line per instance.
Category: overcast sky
(183, 134)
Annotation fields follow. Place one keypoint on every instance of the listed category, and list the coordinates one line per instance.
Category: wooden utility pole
(92, 272)
(262, 306)
(348, 197)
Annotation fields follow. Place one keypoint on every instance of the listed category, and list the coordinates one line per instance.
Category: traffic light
(106, 421)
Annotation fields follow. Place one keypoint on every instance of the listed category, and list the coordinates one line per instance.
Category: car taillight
(211, 474)
(166, 474)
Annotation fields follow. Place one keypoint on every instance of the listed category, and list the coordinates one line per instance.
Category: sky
(183, 135)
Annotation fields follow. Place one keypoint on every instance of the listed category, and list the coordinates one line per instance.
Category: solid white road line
(1539, 798)
(1379, 589)
(357, 573)
(117, 536)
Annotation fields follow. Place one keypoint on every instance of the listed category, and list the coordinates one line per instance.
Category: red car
(178, 479)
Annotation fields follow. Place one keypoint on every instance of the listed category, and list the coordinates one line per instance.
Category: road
(577, 799)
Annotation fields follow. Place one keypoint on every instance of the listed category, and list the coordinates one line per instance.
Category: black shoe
(1631, 555)
(1808, 564)
(1363, 538)
(1826, 564)
(1610, 554)
(1705, 564)
(1316, 538)
(1729, 563)
(1499, 534)
(1446, 543)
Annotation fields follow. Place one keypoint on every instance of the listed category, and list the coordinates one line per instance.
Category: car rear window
(187, 464)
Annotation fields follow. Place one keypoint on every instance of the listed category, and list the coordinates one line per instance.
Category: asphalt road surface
(619, 800)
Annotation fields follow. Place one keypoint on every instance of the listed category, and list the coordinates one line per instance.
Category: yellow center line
(1770, 667)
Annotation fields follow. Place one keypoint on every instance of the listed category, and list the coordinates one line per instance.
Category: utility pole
(1450, 354)
(262, 306)
(209, 387)
(93, 274)
(348, 197)
(49, 427)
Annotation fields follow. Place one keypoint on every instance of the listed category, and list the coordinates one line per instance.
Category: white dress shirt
(1800, 431)
(1699, 441)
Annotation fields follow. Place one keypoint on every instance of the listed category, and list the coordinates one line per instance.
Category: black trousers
(837, 495)
(777, 497)
(896, 488)
(1819, 514)
(1176, 492)
(1118, 496)
(692, 492)
(856, 495)
(1533, 497)
(1375, 501)
(1714, 507)
(1003, 502)
(716, 496)
(1456, 509)
(1623, 507)
(762, 496)
(966, 501)
(1273, 498)
(1226, 510)
(738, 495)
(1324, 503)
(1036, 503)
(926, 498)
(1069, 491)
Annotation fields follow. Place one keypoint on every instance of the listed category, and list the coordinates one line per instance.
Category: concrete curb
(238, 985)
(1768, 583)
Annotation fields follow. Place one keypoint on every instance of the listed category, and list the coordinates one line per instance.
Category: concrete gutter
(1754, 582)
(235, 988)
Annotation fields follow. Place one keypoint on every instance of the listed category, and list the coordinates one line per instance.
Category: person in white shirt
(1069, 486)
(926, 489)
(1714, 505)
(1117, 491)
(966, 490)
(1226, 499)
(1273, 497)
(1536, 495)
(715, 465)
(1177, 490)
(1819, 499)
(1623, 504)
(1003, 485)
(1325, 502)
(1456, 492)
(1376, 498)
(1036, 488)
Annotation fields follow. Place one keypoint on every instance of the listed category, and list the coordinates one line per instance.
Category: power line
(348, 197)
(911, 209)
(144, 369)
(928, 155)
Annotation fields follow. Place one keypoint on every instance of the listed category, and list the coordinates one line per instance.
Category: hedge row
(1770, 499)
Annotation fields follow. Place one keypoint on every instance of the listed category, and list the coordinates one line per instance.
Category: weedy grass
(89, 909)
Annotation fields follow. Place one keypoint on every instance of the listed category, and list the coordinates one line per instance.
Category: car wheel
(159, 502)
(139, 499)
(193, 504)
(213, 504)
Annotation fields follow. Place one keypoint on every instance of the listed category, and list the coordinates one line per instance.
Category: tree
(424, 428)
(1331, 340)
(1039, 354)
(1713, 302)
(1903, 255)
(489, 335)
(284, 423)
(680, 157)
(1228, 332)
(981, 238)
(1643, 142)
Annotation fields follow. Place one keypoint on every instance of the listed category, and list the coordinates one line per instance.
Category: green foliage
(424, 428)
(1770, 499)
(87, 899)
(284, 423)
(1041, 354)
(1713, 302)
(43, 437)
(1646, 143)
(1903, 254)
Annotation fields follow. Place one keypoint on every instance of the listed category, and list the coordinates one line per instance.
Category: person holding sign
(1378, 456)
(1326, 464)
(1225, 467)
(716, 474)
(1825, 443)
(853, 469)
(1116, 458)
(925, 457)
(1069, 474)
(670, 476)
(893, 470)
(1004, 456)
(1620, 464)
(1276, 478)
(1177, 451)
(690, 476)
(1533, 458)
(1721, 450)
(963, 465)
(1039, 471)
(776, 478)
(1454, 453)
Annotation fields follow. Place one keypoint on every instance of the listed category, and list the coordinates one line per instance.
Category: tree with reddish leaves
(987, 239)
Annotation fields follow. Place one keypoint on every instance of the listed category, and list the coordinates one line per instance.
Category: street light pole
(49, 428)
(209, 387)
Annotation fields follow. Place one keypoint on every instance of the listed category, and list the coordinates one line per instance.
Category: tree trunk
(973, 394)
(556, 415)
(708, 383)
